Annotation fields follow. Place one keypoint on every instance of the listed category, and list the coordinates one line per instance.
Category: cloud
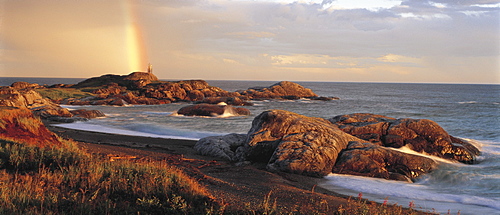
(216, 39)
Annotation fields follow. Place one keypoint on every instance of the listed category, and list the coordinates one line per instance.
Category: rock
(193, 84)
(110, 89)
(89, 114)
(212, 110)
(420, 135)
(135, 76)
(283, 90)
(294, 143)
(42, 107)
(20, 125)
(117, 102)
(323, 98)
(221, 146)
(234, 101)
(24, 85)
(28, 98)
(66, 119)
(134, 80)
(368, 159)
(195, 95)
(47, 112)
(22, 98)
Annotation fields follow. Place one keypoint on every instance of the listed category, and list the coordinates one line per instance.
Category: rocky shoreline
(357, 144)
(140, 88)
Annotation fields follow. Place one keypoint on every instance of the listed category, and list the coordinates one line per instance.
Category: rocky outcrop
(42, 107)
(212, 110)
(136, 76)
(146, 88)
(281, 90)
(294, 143)
(133, 80)
(24, 85)
(368, 159)
(28, 98)
(420, 135)
(110, 89)
(20, 125)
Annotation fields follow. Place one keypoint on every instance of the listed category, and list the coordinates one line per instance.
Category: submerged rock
(368, 159)
(212, 110)
(421, 135)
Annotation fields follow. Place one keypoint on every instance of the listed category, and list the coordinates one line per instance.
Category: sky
(407, 41)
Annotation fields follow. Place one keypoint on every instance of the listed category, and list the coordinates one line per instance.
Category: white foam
(84, 126)
(406, 149)
(403, 193)
(468, 102)
(157, 113)
(227, 113)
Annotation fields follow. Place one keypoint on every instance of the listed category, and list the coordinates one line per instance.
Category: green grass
(63, 93)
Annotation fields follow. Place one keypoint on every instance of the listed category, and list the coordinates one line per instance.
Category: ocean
(467, 111)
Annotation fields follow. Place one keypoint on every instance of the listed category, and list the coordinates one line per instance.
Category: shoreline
(239, 186)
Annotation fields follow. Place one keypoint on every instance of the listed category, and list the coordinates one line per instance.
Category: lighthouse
(150, 68)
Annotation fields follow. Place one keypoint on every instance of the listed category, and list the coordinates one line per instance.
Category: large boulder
(294, 143)
(421, 135)
(221, 146)
(371, 160)
(281, 90)
(212, 110)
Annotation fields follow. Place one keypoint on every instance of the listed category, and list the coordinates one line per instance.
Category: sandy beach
(238, 186)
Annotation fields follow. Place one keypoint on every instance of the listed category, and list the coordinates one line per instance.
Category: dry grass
(37, 180)
(67, 180)
(31, 124)
(63, 93)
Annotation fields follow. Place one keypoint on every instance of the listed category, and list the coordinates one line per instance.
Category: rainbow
(136, 51)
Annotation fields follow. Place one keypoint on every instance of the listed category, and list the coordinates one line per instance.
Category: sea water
(463, 110)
